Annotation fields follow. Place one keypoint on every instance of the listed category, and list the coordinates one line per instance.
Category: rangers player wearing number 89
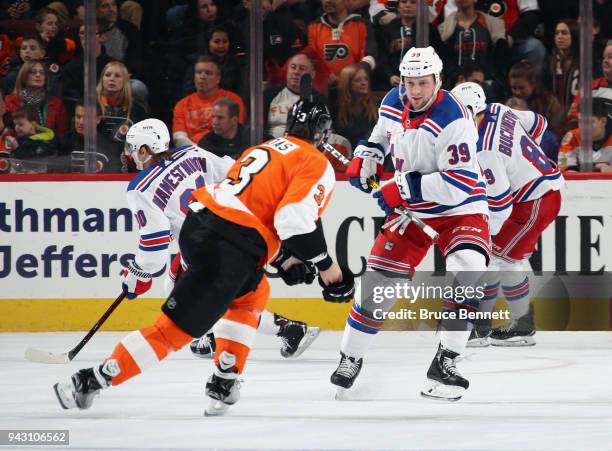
(523, 188)
(438, 178)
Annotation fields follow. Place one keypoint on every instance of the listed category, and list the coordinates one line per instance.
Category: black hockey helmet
(308, 120)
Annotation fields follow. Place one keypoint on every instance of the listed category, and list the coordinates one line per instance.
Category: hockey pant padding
(235, 331)
(145, 347)
(368, 312)
(218, 273)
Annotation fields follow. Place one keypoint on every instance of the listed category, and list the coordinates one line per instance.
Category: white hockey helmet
(471, 95)
(419, 62)
(151, 133)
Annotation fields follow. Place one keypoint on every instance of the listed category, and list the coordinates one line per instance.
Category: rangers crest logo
(389, 246)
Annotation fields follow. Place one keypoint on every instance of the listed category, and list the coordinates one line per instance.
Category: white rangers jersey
(439, 148)
(158, 196)
(515, 167)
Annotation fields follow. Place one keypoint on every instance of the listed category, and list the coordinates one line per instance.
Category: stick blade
(306, 87)
(40, 356)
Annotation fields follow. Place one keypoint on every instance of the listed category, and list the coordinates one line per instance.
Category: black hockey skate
(444, 382)
(223, 386)
(204, 347)
(518, 332)
(82, 388)
(346, 373)
(295, 335)
(479, 337)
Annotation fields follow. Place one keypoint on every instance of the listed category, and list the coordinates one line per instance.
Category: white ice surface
(556, 395)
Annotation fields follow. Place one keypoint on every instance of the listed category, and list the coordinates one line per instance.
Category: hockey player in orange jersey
(275, 193)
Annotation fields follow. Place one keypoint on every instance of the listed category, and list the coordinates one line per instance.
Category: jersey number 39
(459, 153)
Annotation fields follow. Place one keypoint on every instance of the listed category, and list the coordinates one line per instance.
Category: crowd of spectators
(186, 63)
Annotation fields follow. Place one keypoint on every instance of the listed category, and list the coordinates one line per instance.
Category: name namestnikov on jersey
(158, 196)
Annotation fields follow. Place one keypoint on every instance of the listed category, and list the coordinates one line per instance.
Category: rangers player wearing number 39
(523, 188)
(433, 145)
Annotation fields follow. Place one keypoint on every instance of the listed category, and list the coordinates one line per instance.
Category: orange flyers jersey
(339, 46)
(280, 188)
(570, 149)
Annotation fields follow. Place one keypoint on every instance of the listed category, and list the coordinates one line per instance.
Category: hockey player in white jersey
(159, 196)
(523, 189)
(432, 141)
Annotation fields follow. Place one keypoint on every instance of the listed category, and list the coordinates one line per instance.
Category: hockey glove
(292, 270)
(388, 198)
(406, 186)
(340, 291)
(367, 164)
(134, 281)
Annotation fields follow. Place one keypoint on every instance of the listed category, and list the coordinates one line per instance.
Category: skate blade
(309, 337)
(514, 341)
(216, 408)
(64, 396)
(440, 392)
(342, 394)
(479, 343)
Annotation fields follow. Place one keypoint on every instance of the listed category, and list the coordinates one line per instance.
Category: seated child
(33, 142)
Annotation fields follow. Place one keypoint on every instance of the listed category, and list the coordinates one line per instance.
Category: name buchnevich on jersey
(427, 314)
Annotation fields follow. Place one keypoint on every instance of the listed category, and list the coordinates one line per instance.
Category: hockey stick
(306, 87)
(431, 233)
(41, 356)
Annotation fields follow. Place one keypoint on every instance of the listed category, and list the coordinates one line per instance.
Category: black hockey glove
(292, 270)
(340, 291)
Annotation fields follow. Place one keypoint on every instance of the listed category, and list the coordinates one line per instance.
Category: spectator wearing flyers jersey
(601, 87)
(341, 38)
(31, 90)
(120, 108)
(602, 141)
